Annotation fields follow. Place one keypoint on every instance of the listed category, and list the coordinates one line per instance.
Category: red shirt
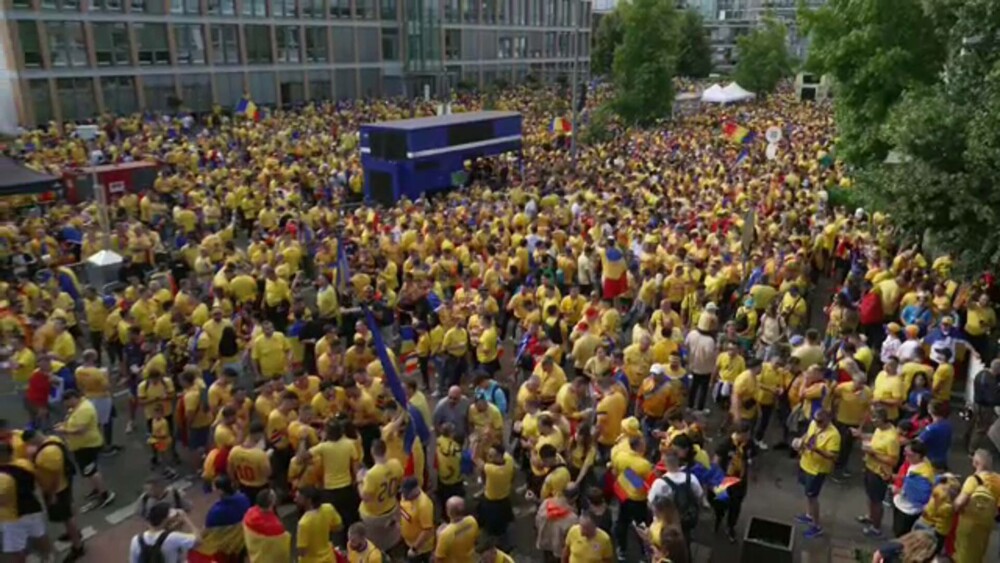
(38, 390)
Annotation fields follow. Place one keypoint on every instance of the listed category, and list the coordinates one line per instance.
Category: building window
(346, 84)
(452, 44)
(452, 11)
(66, 44)
(225, 45)
(262, 88)
(364, 9)
(520, 47)
(158, 90)
(196, 91)
(293, 88)
(316, 45)
(21, 4)
(503, 11)
(343, 45)
(229, 87)
(149, 6)
(371, 85)
(387, 8)
(505, 49)
(31, 46)
(61, 5)
(320, 85)
(340, 8)
(41, 100)
(76, 98)
(368, 44)
(283, 8)
(190, 43)
(119, 94)
(257, 8)
(106, 6)
(313, 9)
(258, 42)
(470, 11)
(111, 44)
(490, 11)
(390, 44)
(288, 44)
(153, 47)
(189, 7)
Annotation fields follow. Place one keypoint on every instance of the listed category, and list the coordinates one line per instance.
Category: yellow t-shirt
(627, 465)
(744, 388)
(50, 467)
(852, 405)
(588, 550)
(610, 412)
(826, 441)
(337, 460)
(885, 443)
(499, 478)
(277, 429)
(888, 388)
(370, 554)
(449, 460)
(941, 382)
(555, 482)
(487, 349)
(251, 466)
(313, 536)
(381, 484)
(416, 517)
(271, 354)
(83, 428)
(456, 542)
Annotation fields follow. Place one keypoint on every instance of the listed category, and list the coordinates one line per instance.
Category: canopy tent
(732, 93)
(17, 179)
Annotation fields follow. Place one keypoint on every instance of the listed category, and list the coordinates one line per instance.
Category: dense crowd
(551, 335)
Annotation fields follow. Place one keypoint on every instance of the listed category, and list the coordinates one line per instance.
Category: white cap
(711, 307)
(656, 369)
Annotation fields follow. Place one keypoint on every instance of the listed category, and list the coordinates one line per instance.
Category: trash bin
(104, 268)
(767, 540)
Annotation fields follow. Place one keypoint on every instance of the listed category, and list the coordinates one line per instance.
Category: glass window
(76, 98)
(387, 8)
(225, 44)
(340, 8)
(488, 40)
(505, 48)
(149, 6)
(293, 88)
(320, 85)
(190, 44)
(283, 8)
(262, 88)
(470, 11)
(258, 42)
(158, 91)
(364, 9)
(520, 47)
(345, 80)
(343, 45)
(31, 46)
(489, 11)
(21, 4)
(224, 7)
(257, 8)
(111, 44)
(452, 11)
(66, 44)
(229, 87)
(368, 43)
(190, 7)
(119, 94)
(61, 5)
(153, 47)
(107, 6)
(316, 45)
(196, 91)
(452, 44)
(289, 44)
(390, 44)
(313, 9)
(41, 100)
(371, 85)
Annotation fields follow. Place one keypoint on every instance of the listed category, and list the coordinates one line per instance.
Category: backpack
(870, 310)
(982, 507)
(69, 468)
(152, 553)
(687, 503)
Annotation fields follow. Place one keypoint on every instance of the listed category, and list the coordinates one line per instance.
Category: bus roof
(438, 120)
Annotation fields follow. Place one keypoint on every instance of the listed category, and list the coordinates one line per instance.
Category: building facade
(67, 60)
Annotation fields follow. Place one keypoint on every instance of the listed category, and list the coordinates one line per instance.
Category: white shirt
(702, 353)
(174, 548)
(908, 351)
(584, 271)
(661, 488)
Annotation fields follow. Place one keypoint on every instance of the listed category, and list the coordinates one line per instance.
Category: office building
(73, 59)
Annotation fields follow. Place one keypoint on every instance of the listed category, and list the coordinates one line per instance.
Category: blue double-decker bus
(413, 157)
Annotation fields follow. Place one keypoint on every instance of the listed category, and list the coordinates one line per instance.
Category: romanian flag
(613, 266)
(222, 540)
(247, 108)
(215, 463)
(65, 279)
(265, 537)
(561, 126)
(407, 350)
(628, 484)
(722, 489)
(736, 133)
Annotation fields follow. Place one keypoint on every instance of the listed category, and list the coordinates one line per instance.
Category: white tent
(732, 93)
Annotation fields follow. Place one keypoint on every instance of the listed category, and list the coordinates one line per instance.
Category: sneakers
(731, 535)
(871, 532)
(761, 445)
(813, 532)
(106, 499)
(863, 519)
(804, 519)
(129, 427)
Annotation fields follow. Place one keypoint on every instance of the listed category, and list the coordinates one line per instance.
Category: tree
(763, 57)
(695, 58)
(607, 37)
(645, 61)
(874, 50)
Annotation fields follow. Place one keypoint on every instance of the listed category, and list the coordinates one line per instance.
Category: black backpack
(686, 501)
(69, 468)
(152, 553)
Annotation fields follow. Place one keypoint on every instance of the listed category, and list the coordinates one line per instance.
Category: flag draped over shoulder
(222, 540)
(265, 537)
(613, 264)
(247, 108)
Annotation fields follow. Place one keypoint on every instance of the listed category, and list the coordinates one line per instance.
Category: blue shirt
(937, 438)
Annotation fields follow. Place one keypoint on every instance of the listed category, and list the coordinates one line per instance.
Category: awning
(18, 179)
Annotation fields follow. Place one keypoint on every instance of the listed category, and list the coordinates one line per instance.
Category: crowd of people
(554, 336)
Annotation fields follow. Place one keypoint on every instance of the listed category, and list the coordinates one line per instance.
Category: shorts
(86, 460)
(62, 510)
(17, 533)
(384, 529)
(875, 487)
(103, 406)
(614, 288)
(198, 437)
(812, 484)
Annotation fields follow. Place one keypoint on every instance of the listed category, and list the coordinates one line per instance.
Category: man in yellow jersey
(851, 403)
(93, 381)
(456, 540)
(277, 435)
(586, 543)
(270, 353)
(338, 460)
(22, 519)
(631, 470)
(54, 473)
(416, 511)
(194, 406)
(495, 510)
(610, 413)
(881, 453)
(378, 491)
(487, 347)
(83, 436)
(360, 549)
(249, 466)
(489, 550)
(318, 521)
(818, 449)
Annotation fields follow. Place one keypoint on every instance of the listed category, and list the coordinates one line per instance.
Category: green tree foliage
(695, 58)
(763, 57)
(946, 127)
(645, 61)
(875, 50)
(607, 37)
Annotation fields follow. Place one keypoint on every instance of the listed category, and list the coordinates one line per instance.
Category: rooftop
(449, 119)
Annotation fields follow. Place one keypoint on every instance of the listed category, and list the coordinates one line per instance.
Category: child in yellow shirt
(160, 441)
